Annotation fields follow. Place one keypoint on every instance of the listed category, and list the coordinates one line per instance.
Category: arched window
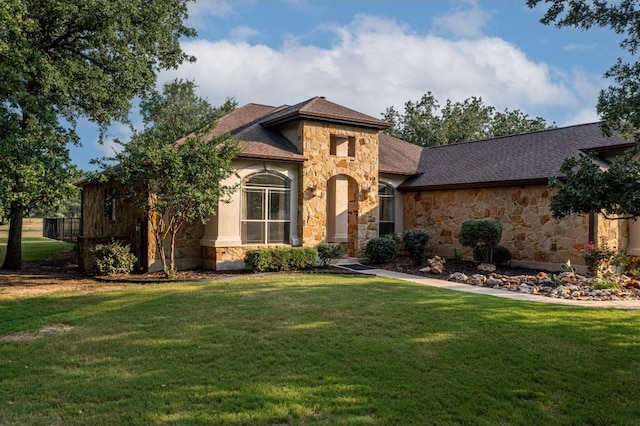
(386, 210)
(266, 213)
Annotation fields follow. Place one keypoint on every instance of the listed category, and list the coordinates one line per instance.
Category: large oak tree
(65, 59)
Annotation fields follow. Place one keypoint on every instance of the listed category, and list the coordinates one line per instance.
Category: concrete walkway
(449, 285)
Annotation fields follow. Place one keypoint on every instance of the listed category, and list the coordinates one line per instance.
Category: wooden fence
(63, 229)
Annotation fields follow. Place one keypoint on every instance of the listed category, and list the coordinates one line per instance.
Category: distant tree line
(426, 123)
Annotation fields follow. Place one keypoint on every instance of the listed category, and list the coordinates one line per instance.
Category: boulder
(458, 277)
(486, 267)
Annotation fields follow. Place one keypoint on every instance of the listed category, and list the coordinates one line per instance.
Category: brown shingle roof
(255, 140)
(525, 159)
(255, 127)
(320, 109)
(397, 156)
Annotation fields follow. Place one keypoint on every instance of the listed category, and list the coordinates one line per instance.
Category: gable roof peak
(319, 108)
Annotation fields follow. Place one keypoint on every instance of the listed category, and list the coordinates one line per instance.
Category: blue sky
(371, 54)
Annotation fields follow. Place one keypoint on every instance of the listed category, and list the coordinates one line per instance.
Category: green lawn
(34, 247)
(313, 349)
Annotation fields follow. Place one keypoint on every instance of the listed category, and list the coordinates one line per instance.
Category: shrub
(597, 257)
(381, 250)
(280, 259)
(113, 258)
(416, 241)
(483, 233)
(302, 257)
(329, 252)
(499, 256)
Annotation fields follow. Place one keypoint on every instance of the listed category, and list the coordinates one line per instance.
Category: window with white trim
(386, 210)
(266, 213)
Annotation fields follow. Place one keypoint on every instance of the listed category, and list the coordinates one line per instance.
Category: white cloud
(200, 10)
(580, 47)
(467, 20)
(375, 63)
(243, 33)
(109, 147)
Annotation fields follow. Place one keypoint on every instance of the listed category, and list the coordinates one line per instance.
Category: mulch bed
(61, 272)
(466, 267)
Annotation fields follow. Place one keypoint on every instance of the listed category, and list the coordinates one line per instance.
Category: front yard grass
(313, 349)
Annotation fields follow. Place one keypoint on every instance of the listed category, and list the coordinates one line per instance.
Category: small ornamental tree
(481, 235)
(585, 187)
(175, 179)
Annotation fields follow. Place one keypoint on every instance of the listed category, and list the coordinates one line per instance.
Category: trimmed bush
(500, 255)
(114, 258)
(329, 252)
(280, 259)
(381, 250)
(416, 242)
(481, 234)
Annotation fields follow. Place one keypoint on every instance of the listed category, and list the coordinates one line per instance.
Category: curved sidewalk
(450, 285)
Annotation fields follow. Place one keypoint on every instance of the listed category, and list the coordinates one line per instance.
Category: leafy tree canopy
(618, 105)
(589, 185)
(61, 59)
(425, 123)
(173, 170)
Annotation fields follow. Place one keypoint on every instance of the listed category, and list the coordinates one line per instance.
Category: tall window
(266, 215)
(387, 210)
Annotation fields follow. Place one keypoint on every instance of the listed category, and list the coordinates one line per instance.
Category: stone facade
(613, 231)
(228, 258)
(532, 236)
(358, 163)
(103, 222)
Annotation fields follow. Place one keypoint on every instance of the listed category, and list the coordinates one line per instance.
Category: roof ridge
(514, 135)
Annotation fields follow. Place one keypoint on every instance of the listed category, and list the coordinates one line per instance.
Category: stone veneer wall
(99, 228)
(188, 252)
(529, 232)
(230, 258)
(361, 171)
(614, 231)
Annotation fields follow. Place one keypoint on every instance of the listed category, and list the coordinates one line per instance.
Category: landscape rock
(477, 279)
(436, 264)
(458, 277)
(493, 282)
(574, 286)
(486, 267)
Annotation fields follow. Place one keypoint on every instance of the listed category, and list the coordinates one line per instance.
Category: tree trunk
(13, 259)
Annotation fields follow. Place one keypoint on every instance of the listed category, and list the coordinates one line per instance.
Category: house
(319, 172)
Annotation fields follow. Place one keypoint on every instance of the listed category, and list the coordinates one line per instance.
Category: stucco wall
(533, 237)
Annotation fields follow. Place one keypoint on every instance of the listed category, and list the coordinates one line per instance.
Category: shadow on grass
(316, 349)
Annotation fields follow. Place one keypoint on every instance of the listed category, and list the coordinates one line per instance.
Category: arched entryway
(342, 213)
